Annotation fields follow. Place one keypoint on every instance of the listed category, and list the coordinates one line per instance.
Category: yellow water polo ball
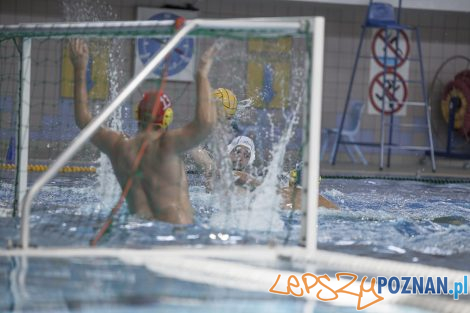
(228, 99)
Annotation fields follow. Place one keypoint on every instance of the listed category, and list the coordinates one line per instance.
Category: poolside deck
(446, 168)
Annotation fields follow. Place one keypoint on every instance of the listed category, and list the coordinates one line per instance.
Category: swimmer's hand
(78, 53)
(205, 62)
(243, 178)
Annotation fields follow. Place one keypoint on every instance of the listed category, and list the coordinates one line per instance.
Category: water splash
(87, 11)
(257, 210)
(267, 200)
(109, 185)
(223, 186)
(98, 10)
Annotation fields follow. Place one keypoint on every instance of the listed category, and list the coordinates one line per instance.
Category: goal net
(260, 76)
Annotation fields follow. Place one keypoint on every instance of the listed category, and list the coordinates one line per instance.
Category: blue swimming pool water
(407, 221)
(109, 285)
(403, 220)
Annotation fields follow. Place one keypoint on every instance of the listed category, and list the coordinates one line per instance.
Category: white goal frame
(312, 113)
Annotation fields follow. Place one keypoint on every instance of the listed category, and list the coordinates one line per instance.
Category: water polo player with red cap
(158, 104)
(159, 188)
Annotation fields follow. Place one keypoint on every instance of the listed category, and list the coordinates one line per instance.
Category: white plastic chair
(352, 124)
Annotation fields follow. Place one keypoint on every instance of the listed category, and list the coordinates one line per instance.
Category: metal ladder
(379, 16)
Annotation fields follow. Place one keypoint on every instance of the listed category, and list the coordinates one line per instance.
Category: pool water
(406, 220)
(109, 285)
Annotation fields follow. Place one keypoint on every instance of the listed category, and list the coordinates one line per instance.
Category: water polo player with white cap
(242, 152)
(242, 155)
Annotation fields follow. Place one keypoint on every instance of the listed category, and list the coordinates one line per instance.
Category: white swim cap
(245, 142)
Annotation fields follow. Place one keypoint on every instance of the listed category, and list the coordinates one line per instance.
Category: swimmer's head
(295, 177)
(226, 100)
(155, 108)
(242, 152)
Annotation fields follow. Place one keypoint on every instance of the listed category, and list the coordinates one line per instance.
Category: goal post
(312, 157)
(22, 127)
(313, 28)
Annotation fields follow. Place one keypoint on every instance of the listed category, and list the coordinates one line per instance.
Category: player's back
(159, 186)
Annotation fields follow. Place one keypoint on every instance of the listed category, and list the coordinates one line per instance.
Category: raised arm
(104, 138)
(196, 131)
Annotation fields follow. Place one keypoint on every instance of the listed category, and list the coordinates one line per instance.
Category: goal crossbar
(133, 28)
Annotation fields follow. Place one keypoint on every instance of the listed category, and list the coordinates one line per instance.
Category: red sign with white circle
(391, 91)
(397, 45)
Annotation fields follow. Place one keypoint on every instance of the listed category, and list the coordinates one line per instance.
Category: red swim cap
(160, 104)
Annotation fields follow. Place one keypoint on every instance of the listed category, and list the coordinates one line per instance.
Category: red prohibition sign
(392, 45)
(388, 92)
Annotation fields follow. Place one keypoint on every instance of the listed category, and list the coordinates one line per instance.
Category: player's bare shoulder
(124, 148)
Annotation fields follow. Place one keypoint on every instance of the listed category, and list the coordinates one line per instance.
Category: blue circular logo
(178, 58)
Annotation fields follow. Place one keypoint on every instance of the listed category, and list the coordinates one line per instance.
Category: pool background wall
(444, 34)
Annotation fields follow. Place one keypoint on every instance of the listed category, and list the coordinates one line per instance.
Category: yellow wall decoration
(281, 45)
(97, 75)
(269, 73)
